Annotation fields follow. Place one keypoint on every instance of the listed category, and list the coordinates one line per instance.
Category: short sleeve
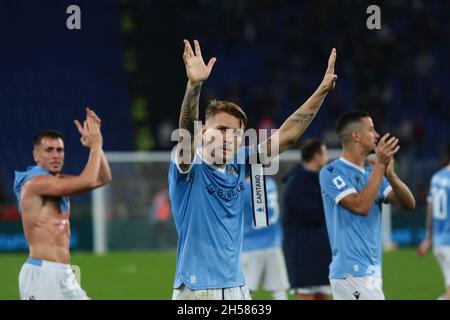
(175, 173)
(335, 184)
(430, 194)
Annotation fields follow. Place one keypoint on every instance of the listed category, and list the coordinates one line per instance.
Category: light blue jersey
(355, 239)
(208, 209)
(23, 177)
(265, 237)
(439, 197)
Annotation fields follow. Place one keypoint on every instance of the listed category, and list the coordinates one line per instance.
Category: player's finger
(198, 51)
(92, 124)
(332, 61)
(393, 152)
(383, 139)
(188, 48)
(79, 127)
(185, 53)
(211, 63)
(86, 126)
(390, 147)
(94, 115)
(392, 141)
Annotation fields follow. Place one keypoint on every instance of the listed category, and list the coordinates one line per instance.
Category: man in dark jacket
(306, 246)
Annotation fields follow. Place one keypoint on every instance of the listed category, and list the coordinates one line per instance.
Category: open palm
(196, 69)
(329, 80)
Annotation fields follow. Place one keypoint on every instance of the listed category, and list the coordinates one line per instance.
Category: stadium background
(126, 64)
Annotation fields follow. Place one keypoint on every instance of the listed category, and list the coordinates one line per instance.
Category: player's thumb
(211, 63)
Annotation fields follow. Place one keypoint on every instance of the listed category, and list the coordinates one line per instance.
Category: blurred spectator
(305, 244)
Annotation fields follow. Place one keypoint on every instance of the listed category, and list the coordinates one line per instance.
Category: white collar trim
(223, 170)
(352, 164)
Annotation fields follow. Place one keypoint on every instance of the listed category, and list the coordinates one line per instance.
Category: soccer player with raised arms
(207, 195)
(352, 196)
(43, 198)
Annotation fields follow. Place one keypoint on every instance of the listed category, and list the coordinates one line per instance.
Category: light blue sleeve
(176, 174)
(23, 177)
(430, 194)
(334, 183)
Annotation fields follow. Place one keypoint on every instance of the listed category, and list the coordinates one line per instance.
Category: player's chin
(55, 169)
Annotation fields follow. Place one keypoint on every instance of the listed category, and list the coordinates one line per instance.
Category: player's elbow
(362, 211)
(91, 185)
(410, 205)
(405, 204)
(356, 205)
(105, 180)
(108, 179)
(358, 209)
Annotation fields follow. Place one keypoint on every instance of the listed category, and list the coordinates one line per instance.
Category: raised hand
(90, 130)
(386, 149)
(329, 80)
(196, 69)
(91, 113)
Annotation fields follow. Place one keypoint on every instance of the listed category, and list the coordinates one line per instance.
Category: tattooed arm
(296, 124)
(197, 72)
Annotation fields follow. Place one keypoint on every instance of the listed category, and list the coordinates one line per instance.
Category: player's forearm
(104, 175)
(403, 195)
(367, 196)
(90, 172)
(189, 108)
(296, 124)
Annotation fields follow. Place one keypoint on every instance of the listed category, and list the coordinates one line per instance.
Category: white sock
(279, 295)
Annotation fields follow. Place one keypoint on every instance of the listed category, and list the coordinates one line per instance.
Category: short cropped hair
(345, 121)
(218, 106)
(47, 134)
(310, 147)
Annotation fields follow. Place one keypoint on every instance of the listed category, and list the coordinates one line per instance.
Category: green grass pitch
(149, 275)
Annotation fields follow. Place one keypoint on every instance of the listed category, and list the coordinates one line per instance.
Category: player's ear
(35, 156)
(355, 136)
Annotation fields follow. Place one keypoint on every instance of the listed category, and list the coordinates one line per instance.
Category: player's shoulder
(443, 173)
(32, 172)
(333, 167)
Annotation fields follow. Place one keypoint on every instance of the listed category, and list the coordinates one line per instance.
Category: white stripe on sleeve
(343, 194)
